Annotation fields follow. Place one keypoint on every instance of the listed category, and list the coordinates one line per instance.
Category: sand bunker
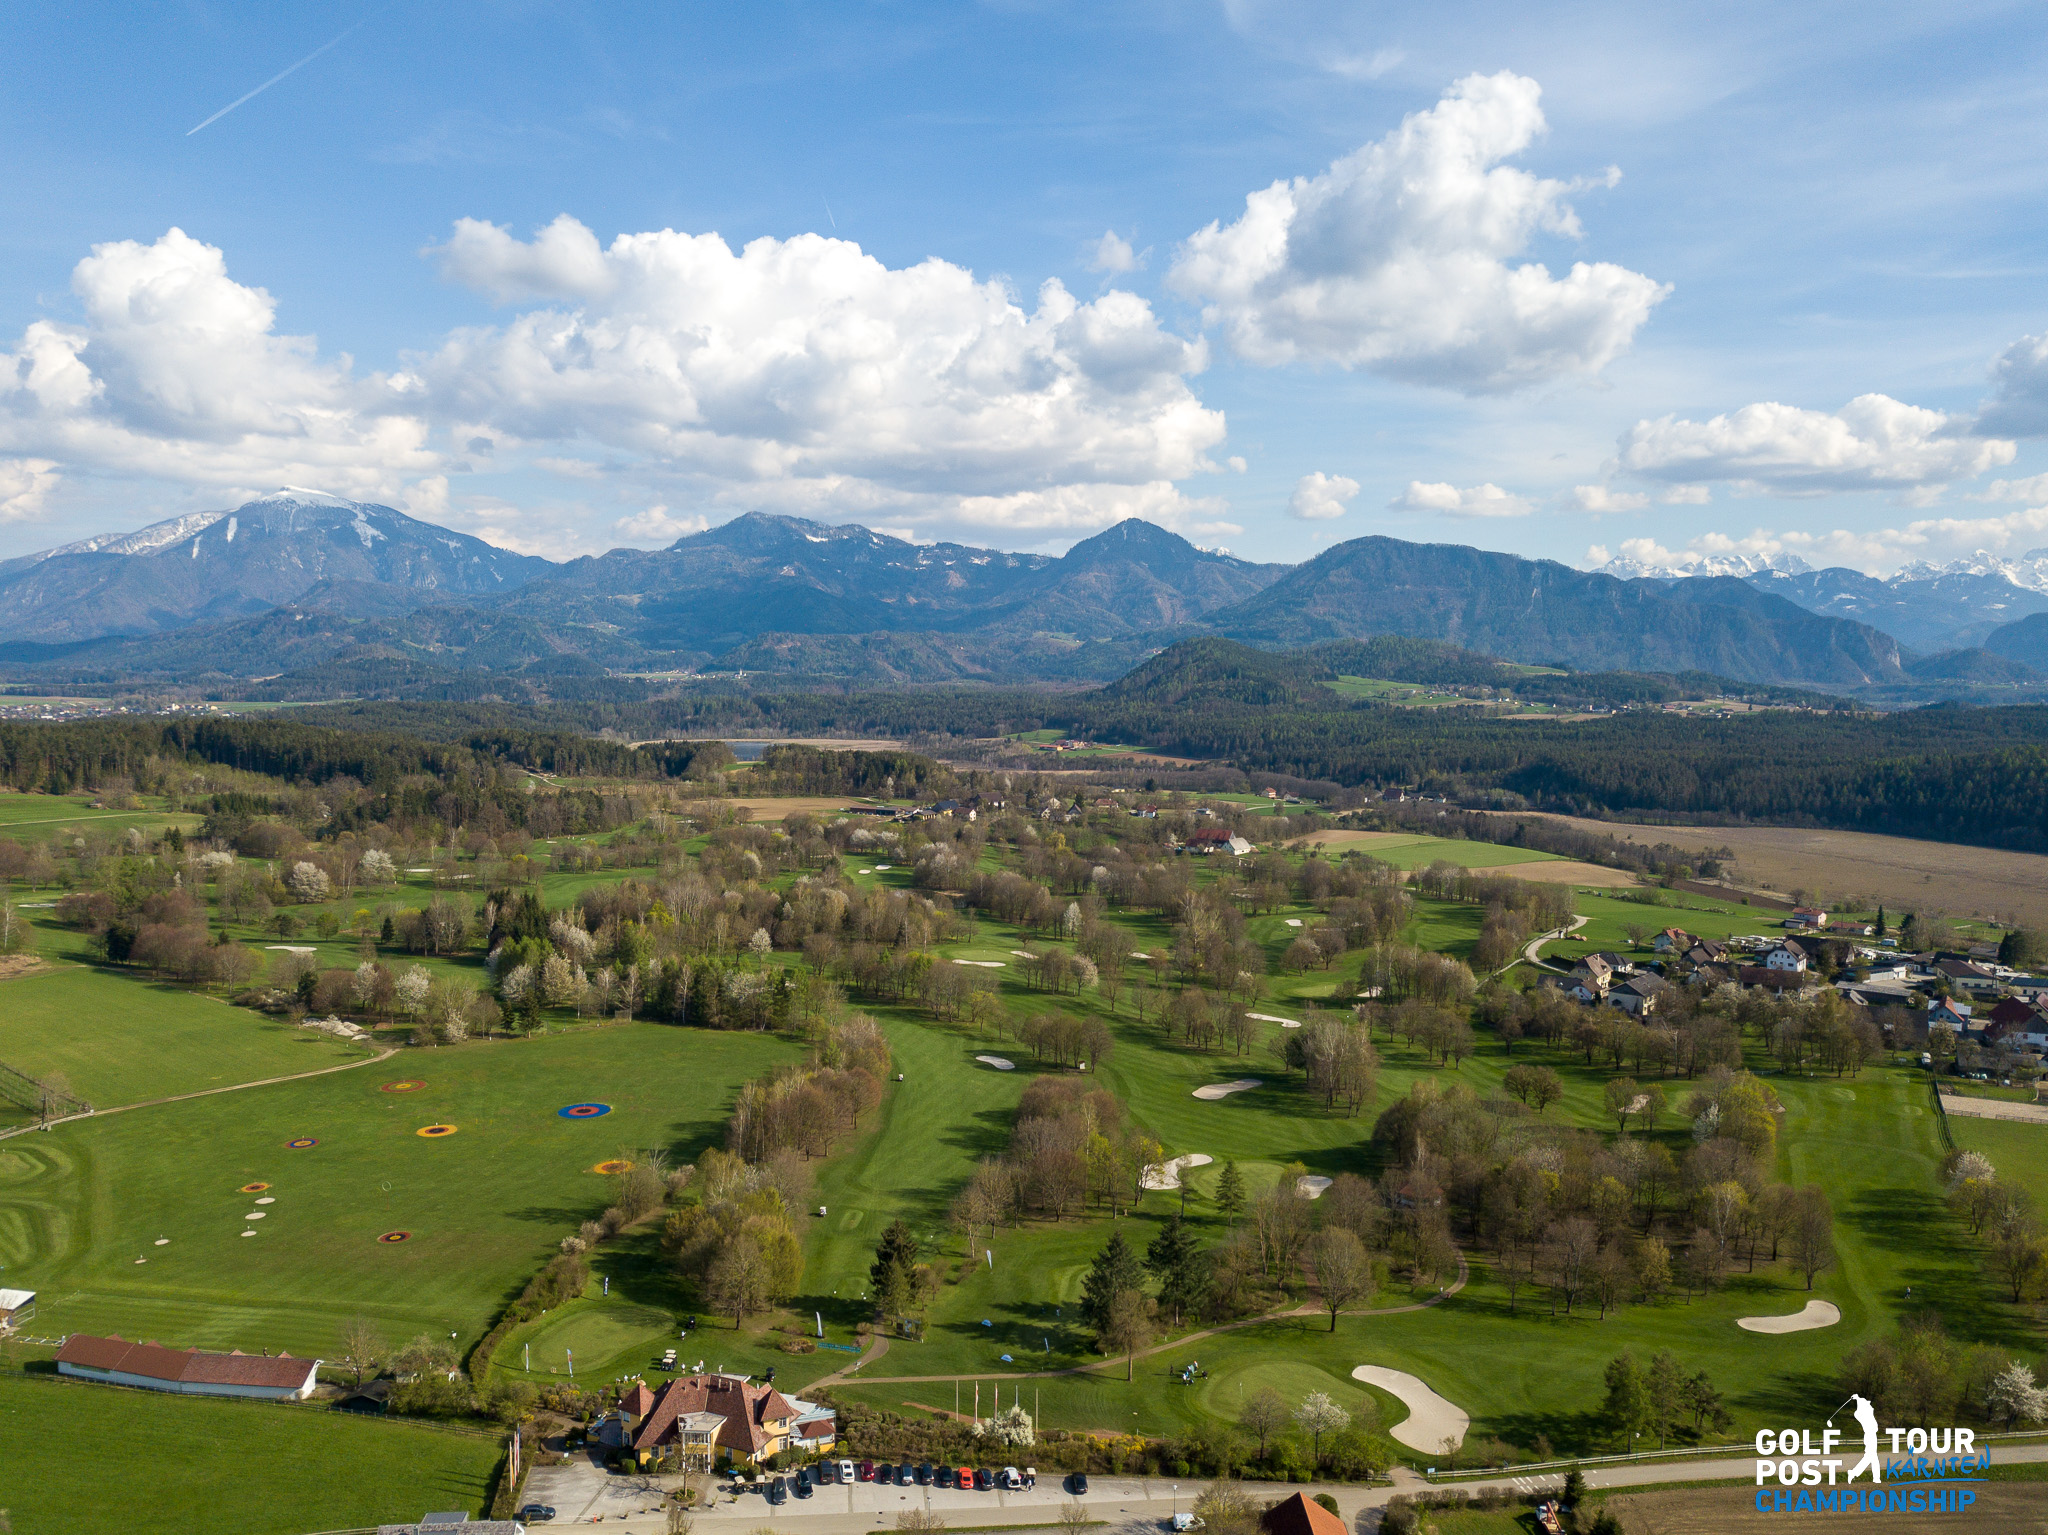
(1294, 922)
(981, 964)
(1285, 1023)
(1430, 1421)
(997, 1061)
(1023, 954)
(1217, 1090)
(292, 948)
(1815, 1313)
(1166, 1175)
(1311, 1186)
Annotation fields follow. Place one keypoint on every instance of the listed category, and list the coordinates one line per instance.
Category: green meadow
(204, 1466)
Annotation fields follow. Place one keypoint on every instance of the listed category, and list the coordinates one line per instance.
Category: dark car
(905, 1475)
(1077, 1484)
(942, 1476)
(825, 1473)
(982, 1480)
(924, 1473)
(865, 1471)
(803, 1482)
(535, 1513)
(778, 1491)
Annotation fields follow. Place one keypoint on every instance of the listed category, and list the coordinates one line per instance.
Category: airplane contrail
(267, 84)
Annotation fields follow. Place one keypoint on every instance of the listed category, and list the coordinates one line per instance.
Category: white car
(846, 1472)
(1009, 1479)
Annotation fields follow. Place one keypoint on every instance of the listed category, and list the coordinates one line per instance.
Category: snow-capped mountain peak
(1706, 565)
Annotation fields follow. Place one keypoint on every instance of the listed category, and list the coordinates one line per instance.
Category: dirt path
(847, 1377)
(207, 1092)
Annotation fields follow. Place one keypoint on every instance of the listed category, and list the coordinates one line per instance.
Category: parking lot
(583, 1492)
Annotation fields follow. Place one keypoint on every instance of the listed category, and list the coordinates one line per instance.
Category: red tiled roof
(152, 1361)
(638, 1400)
(747, 1409)
(1298, 1516)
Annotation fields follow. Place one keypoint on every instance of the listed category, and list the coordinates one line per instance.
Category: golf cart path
(207, 1092)
(848, 1375)
(1529, 953)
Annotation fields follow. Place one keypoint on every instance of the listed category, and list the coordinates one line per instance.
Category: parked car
(1031, 1476)
(982, 1480)
(905, 1475)
(849, 1474)
(924, 1473)
(942, 1476)
(964, 1478)
(803, 1482)
(1077, 1484)
(865, 1471)
(535, 1513)
(778, 1491)
(1009, 1479)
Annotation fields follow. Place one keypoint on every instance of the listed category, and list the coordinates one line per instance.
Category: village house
(114, 1361)
(1776, 978)
(1786, 956)
(2012, 1022)
(1673, 940)
(1943, 1012)
(1209, 840)
(1968, 977)
(1593, 973)
(1636, 996)
(1808, 916)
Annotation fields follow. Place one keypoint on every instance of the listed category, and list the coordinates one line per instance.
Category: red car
(866, 1471)
(966, 1479)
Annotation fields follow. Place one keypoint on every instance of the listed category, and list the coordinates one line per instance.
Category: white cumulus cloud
(2020, 408)
(1112, 254)
(804, 375)
(1872, 443)
(1599, 498)
(1400, 258)
(179, 374)
(1452, 501)
(25, 485)
(1320, 497)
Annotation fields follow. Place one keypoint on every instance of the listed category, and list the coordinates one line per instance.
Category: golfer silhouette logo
(1866, 1418)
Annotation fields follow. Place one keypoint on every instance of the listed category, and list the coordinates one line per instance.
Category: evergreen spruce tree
(1879, 930)
(897, 1249)
(1114, 1271)
(1180, 1266)
(1230, 1191)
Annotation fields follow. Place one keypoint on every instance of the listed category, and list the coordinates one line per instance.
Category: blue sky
(1666, 281)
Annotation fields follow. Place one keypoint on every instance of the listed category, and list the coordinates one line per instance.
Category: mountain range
(343, 595)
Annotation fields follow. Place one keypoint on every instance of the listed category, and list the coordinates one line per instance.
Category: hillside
(265, 553)
(1541, 612)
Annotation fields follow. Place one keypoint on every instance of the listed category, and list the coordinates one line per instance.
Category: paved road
(1529, 951)
(585, 1493)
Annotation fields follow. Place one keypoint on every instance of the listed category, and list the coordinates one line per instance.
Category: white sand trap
(1023, 954)
(1166, 1175)
(883, 868)
(1285, 1023)
(419, 871)
(1217, 1090)
(981, 964)
(255, 1215)
(248, 1233)
(1312, 1185)
(266, 1200)
(1294, 922)
(865, 871)
(1139, 954)
(163, 1242)
(1815, 1313)
(997, 1061)
(1430, 1421)
(292, 948)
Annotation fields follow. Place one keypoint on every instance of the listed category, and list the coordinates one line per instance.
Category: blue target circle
(585, 1110)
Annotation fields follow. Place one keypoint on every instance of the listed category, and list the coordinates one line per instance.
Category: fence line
(1941, 1113)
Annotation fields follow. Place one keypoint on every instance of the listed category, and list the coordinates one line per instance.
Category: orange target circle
(252, 1188)
(616, 1165)
(412, 1085)
(396, 1236)
(434, 1132)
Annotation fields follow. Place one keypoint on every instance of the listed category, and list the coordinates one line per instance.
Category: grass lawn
(1610, 917)
(37, 816)
(205, 1466)
(485, 1206)
(117, 1038)
(1418, 852)
(2017, 1149)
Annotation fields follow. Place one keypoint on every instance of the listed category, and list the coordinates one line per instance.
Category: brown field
(2011, 1508)
(1903, 873)
(1567, 871)
(774, 809)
